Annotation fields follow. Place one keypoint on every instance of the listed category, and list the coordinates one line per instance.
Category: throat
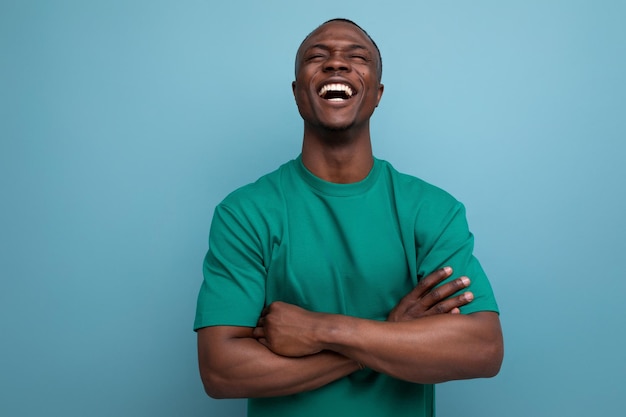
(338, 167)
(339, 157)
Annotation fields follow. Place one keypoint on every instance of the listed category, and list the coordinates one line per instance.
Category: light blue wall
(123, 124)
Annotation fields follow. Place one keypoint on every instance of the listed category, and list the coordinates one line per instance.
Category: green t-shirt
(353, 249)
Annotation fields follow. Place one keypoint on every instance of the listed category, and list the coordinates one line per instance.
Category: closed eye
(314, 57)
(359, 57)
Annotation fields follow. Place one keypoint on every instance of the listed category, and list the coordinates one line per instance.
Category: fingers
(451, 305)
(438, 294)
(431, 280)
(429, 294)
(430, 297)
(258, 332)
(264, 342)
(424, 285)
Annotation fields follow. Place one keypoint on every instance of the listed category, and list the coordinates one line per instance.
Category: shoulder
(260, 199)
(415, 191)
(264, 189)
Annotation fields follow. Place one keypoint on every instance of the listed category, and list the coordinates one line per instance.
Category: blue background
(123, 123)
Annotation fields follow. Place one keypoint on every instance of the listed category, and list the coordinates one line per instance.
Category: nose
(337, 62)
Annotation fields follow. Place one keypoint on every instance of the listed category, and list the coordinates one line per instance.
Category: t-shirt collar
(335, 189)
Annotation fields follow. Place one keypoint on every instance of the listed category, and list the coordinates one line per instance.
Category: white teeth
(336, 87)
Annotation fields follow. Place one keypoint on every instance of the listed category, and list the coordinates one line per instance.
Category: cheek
(303, 101)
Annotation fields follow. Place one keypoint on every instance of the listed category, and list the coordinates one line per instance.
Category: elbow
(220, 354)
(219, 388)
(489, 351)
(214, 391)
(493, 354)
(212, 388)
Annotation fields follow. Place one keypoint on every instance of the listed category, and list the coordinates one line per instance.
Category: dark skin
(337, 145)
(293, 350)
(234, 363)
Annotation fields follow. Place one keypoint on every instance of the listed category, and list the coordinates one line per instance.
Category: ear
(381, 88)
(293, 88)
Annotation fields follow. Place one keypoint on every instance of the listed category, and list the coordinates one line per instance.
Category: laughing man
(335, 285)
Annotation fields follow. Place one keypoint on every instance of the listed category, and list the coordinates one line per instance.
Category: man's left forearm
(427, 350)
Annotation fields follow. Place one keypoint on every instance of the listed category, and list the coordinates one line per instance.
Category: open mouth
(336, 92)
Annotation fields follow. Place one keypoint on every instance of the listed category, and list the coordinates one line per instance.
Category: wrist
(336, 331)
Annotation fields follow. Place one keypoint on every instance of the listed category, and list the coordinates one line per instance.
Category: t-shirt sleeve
(447, 241)
(233, 290)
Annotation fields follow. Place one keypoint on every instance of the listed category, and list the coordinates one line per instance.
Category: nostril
(336, 62)
(336, 67)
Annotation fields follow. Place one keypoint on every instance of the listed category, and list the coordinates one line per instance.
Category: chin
(337, 127)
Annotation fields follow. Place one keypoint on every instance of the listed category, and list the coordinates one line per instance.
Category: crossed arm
(294, 350)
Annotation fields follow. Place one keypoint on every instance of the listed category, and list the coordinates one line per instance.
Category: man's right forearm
(235, 365)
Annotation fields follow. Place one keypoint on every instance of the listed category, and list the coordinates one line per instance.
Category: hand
(288, 330)
(426, 299)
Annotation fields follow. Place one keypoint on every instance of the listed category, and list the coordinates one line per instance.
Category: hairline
(379, 67)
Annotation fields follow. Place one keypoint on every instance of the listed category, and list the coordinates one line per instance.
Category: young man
(328, 282)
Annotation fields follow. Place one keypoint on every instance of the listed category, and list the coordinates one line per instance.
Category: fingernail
(465, 281)
(447, 270)
(469, 296)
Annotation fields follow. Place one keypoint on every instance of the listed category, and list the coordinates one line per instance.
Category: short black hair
(340, 19)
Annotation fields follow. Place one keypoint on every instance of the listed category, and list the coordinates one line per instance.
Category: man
(328, 282)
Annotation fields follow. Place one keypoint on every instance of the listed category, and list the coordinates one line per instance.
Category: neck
(339, 157)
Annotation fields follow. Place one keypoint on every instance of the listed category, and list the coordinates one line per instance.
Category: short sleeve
(233, 290)
(446, 241)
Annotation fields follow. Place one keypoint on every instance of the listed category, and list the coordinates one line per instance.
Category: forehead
(337, 34)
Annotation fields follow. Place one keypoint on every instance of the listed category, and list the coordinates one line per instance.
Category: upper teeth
(336, 87)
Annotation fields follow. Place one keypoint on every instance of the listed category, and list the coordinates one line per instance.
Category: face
(337, 83)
